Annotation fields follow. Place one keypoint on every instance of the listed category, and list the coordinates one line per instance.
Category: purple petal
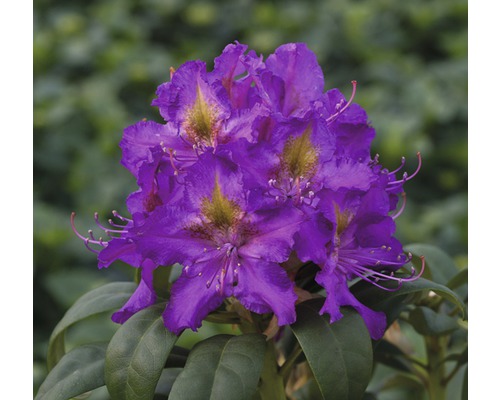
(353, 140)
(274, 239)
(155, 188)
(139, 139)
(346, 174)
(301, 75)
(192, 298)
(264, 287)
(144, 296)
(334, 101)
(166, 238)
(311, 239)
(202, 177)
(119, 249)
(338, 295)
(175, 98)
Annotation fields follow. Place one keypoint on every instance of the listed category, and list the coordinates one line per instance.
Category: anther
(115, 214)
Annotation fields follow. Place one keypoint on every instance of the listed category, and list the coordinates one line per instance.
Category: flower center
(300, 157)
(343, 219)
(201, 124)
(219, 210)
(298, 163)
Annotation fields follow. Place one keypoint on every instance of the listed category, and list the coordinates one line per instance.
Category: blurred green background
(97, 65)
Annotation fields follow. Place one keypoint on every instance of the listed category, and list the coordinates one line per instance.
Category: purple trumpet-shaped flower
(121, 247)
(362, 247)
(227, 248)
(252, 164)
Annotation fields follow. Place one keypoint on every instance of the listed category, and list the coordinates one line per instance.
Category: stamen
(115, 214)
(400, 211)
(373, 276)
(106, 230)
(418, 166)
(339, 112)
(87, 240)
(375, 160)
(373, 281)
(176, 171)
(403, 162)
(405, 175)
(172, 72)
(112, 223)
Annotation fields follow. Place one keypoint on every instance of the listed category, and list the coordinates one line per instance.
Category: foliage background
(97, 65)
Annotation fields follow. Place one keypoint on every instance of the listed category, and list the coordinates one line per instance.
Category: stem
(436, 368)
(271, 382)
(452, 374)
(286, 368)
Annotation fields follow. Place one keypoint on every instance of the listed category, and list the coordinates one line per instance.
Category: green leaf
(391, 302)
(161, 283)
(402, 380)
(459, 358)
(177, 357)
(165, 383)
(136, 355)
(427, 322)
(465, 384)
(222, 367)
(78, 372)
(439, 266)
(459, 279)
(339, 354)
(389, 354)
(109, 297)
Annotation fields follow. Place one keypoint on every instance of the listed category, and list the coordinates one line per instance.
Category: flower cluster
(255, 174)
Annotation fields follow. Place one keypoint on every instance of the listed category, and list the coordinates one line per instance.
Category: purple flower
(121, 247)
(254, 169)
(226, 249)
(348, 122)
(292, 80)
(363, 247)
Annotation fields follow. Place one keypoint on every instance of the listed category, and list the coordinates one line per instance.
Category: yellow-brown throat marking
(300, 157)
(343, 219)
(201, 123)
(221, 211)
